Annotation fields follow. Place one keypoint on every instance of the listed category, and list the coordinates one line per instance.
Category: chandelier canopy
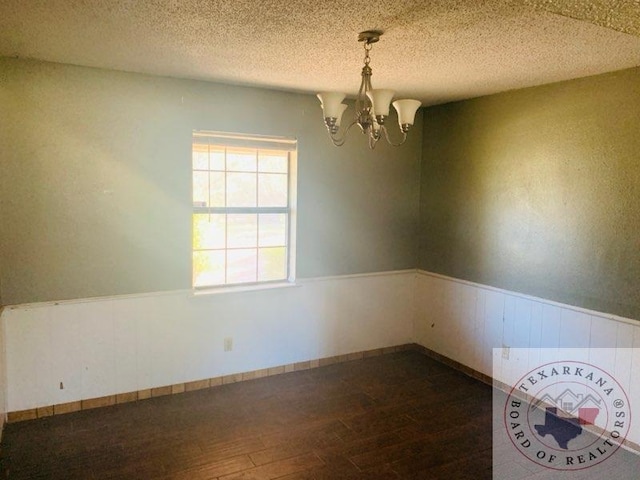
(372, 105)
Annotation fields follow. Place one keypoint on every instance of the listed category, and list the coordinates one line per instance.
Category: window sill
(203, 292)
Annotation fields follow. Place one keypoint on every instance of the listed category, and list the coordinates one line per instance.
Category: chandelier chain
(367, 48)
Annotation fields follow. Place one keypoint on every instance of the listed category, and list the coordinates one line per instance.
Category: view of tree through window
(241, 209)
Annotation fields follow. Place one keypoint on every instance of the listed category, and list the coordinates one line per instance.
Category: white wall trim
(252, 287)
(356, 275)
(482, 286)
(106, 298)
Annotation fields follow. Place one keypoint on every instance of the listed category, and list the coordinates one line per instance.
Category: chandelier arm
(372, 141)
(386, 135)
(338, 141)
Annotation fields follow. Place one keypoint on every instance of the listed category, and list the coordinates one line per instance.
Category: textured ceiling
(437, 51)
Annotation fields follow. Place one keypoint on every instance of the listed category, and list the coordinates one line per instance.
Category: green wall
(538, 191)
(95, 182)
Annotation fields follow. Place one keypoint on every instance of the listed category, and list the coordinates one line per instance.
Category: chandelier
(372, 106)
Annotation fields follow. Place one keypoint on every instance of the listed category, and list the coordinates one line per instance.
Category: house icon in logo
(572, 405)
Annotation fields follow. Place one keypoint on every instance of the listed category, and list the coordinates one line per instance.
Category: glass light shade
(341, 108)
(381, 98)
(331, 103)
(406, 111)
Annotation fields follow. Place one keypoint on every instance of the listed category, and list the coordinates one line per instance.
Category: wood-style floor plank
(392, 417)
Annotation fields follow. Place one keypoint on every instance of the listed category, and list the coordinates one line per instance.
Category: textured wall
(538, 191)
(95, 186)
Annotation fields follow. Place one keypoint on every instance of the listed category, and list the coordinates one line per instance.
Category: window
(243, 205)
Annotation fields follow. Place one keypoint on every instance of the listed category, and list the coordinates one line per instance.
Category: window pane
(241, 160)
(272, 230)
(273, 162)
(207, 158)
(241, 265)
(241, 189)
(217, 195)
(242, 230)
(272, 190)
(231, 247)
(200, 156)
(200, 189)
(208, 231)
(272, 264)
(208, 268)
(216, 158)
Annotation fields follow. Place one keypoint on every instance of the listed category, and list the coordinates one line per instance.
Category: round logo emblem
(567, 415)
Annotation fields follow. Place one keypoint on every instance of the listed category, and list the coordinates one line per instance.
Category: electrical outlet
(228, 344)
(505, 352)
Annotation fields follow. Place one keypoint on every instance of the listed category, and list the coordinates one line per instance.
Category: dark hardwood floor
(395, 416)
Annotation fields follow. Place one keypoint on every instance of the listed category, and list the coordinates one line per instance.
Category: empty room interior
(220, 259)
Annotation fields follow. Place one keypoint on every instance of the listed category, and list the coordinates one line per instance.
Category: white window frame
(261, 142)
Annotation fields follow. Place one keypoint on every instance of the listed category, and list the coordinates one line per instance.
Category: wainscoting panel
(464, 322)
(3, 377)
(102, 350)
(59, 353)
